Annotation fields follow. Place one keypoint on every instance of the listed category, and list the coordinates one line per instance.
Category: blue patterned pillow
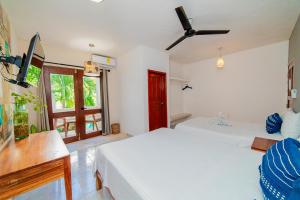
(273, 123)
(280, 171)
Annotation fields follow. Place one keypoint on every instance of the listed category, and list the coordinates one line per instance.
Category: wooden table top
(35, 150)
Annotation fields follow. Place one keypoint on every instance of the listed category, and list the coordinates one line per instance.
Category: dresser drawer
(31, 177)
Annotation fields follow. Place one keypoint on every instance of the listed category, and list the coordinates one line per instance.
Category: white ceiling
(115, 26)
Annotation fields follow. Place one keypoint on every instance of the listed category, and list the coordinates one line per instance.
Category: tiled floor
(83, 180)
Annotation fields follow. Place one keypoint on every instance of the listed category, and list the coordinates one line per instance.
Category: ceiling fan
(189, 31)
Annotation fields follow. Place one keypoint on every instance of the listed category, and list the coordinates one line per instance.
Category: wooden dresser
(27, 164)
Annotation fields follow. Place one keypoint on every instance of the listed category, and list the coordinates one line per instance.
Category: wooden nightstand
(27, 164)
(262, 144)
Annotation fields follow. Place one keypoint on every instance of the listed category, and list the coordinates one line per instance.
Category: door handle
(83, 108)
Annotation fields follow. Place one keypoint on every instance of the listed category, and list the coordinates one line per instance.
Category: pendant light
(89, 66)
(220, 61)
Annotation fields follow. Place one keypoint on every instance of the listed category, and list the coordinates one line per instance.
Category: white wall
(132, 69)
(252, 85)
(14, 41)
(58, 54)
(131, 92)
(73, 57)
(294, 55)
(14, 50)
(176, 93)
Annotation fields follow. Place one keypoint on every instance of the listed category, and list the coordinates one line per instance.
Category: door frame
(82, 112)
(47, 70)
(165, 97)
(79, 112)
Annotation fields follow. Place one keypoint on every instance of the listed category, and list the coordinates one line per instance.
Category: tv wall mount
(14, 60)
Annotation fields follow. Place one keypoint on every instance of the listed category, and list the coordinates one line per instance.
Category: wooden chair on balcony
(94, 120)
(60, 124)
(64, 123)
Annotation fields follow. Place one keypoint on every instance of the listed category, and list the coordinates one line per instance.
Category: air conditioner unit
(103, 61)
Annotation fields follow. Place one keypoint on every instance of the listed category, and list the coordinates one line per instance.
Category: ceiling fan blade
(177, 42)
(211, 32)
(183, 18)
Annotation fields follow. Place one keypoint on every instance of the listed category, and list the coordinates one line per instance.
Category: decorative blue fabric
(273, 123)
(280, 171)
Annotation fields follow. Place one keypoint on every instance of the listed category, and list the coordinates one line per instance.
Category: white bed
(173, 165)
(236, 129)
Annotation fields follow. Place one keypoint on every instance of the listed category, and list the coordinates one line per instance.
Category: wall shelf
(179, 79)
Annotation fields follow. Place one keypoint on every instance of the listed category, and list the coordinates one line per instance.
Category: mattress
(173, 165)
(230, 128)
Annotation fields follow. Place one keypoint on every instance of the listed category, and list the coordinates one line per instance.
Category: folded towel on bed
(280, 171)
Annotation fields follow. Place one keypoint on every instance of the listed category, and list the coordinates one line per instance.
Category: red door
(157, 99)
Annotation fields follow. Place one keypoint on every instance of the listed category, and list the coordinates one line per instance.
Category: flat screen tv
(31, 67)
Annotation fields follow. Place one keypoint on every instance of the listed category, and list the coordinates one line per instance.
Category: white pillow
(291, 125)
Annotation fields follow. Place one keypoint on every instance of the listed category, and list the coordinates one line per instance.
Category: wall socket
(294, 93)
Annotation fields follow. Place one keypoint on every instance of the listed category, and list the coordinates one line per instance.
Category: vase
(21, 122)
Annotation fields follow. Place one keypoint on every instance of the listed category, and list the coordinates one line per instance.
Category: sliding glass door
(74, 103)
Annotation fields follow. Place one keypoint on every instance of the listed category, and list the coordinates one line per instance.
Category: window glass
(91, 92)
(62, 92)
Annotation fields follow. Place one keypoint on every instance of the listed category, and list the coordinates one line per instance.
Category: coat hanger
(187, 87)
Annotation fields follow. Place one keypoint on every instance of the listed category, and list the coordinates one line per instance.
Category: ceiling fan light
(220, 63)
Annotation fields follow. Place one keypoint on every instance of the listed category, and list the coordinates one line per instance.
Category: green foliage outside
(33, 75)
(62, 87)
(89, 90)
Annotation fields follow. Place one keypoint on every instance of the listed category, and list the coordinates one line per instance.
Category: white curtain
(106, 130)
(42, 120)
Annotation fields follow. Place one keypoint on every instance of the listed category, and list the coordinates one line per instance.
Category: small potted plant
(22, 127)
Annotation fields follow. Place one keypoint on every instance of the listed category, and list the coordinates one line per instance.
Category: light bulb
(220, 62)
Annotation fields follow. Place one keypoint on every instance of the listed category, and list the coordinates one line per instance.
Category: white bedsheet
(236, 129)
(170, 165)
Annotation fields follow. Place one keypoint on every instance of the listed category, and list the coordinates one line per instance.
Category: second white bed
(246, 131)
(173, 165)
